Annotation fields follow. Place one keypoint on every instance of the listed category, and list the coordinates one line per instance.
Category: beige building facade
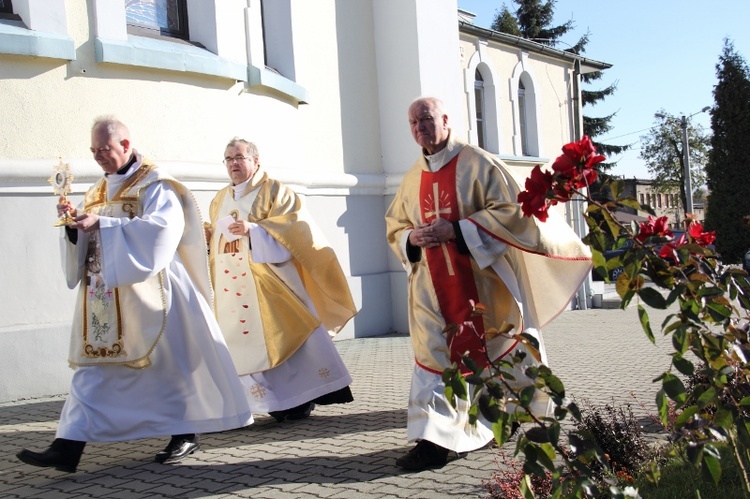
(321, 87)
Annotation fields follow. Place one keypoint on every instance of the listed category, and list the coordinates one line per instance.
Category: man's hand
(88, 222)
(65, 206)
(433, 234)
(240, 227)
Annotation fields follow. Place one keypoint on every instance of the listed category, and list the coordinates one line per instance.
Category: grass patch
(681, 480)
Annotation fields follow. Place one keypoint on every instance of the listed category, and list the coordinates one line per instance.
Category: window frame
(6, 10)
(479, 112)
(157, 32)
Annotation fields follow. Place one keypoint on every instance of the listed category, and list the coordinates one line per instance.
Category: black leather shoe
(424, 456)
(279, 416)
(63, 455)
(178, 448)
(301, 411)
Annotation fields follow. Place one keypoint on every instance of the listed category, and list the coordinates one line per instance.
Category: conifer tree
(727, 169)
(532, 20)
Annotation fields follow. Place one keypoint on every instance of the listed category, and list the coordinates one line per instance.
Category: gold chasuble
(263, 317)
(123, 325)
(528, 285)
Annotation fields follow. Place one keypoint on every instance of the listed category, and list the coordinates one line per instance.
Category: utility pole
(686, 154)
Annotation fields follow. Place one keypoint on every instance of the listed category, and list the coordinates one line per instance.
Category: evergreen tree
(532, 20)
(727, 169)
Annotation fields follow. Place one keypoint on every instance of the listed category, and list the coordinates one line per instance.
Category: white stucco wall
(335, 130)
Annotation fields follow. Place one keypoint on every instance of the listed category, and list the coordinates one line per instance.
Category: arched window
(522, 119)
(480, 112)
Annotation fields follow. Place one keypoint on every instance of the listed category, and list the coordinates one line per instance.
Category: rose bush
(709, 326)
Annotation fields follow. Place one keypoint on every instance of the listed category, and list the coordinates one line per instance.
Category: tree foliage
(728, 162)
(663, 153)
(533, 20)
(708, 324)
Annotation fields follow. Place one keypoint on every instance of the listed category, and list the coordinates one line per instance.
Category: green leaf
(525, 488)
(537, 434)
(718, 312)
(662, 405)
(680, 339)
(498, 430)
(645, 324)
(471, 365)
(473, 379)
(616, 188)
(723, 418)
(652, 298)
(674, 388)
(711, 468)
(683, 365)
(694, 452)
(459, 387)
(686, 415)
(745, 401)
(708, 397)
(526, 395)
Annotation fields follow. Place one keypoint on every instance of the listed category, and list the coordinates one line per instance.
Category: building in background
(321, 87)
(664, 204)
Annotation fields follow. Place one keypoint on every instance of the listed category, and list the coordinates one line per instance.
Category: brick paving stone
(341, 451)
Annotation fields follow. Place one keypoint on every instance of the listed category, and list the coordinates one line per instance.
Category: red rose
(653, 227)
(534, 199)
(703, 238)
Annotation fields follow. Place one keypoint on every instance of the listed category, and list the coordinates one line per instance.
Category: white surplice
(315, 368)
(191, 385)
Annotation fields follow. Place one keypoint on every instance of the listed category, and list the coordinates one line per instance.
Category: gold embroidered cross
(258, 392)
(436, 213)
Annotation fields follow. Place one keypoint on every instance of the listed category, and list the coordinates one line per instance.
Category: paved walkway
(346, 451)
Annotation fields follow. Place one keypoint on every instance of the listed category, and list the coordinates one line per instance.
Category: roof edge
(587, 65)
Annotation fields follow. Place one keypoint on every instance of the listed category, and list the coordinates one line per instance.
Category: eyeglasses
(229, 160)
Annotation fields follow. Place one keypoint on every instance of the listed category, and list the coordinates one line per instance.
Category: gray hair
(437, 104)
(251, 148)
(114, 127)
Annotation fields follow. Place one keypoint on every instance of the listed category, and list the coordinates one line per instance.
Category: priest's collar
(124, 169)
(445, 155)
(240, 188)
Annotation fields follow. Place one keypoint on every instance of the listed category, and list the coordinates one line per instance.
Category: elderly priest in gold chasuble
(280, 292)
(460, 234)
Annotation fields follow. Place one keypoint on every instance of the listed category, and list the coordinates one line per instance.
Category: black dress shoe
(424, 456)
(301, 411)
(178, 448)
(63, 455)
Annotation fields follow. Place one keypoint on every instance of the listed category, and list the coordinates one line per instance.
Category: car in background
(611, 254)
(746, 261)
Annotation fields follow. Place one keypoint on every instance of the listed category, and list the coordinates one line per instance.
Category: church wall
(336, 131)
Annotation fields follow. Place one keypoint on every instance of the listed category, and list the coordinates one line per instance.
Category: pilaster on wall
(417, 54)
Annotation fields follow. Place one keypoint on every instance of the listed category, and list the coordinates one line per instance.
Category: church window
(480, 113)
(522, 119)
(160, 17)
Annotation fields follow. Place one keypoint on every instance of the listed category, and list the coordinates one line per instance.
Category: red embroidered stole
(451, 272)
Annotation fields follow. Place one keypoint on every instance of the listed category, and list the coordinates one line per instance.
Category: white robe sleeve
(266, 249)
(135, 249)
(72, 256)
(484, 249)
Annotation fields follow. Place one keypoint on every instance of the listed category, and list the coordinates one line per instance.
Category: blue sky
(663, 55)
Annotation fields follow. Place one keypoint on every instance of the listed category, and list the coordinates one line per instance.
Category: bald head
(429, 123)
(110, 143)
